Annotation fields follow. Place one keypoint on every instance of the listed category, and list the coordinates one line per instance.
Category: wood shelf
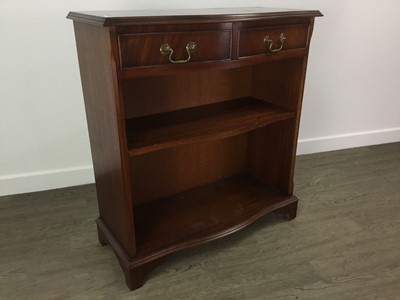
(202, 214)
(207, 122)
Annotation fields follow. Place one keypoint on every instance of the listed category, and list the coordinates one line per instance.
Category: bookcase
(193, 119)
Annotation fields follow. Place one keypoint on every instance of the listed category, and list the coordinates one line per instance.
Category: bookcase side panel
(105, 123)
(280, 83)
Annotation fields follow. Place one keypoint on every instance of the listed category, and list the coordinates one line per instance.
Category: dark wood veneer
(104, 117)
(251, 40)
(187, 153)
(208, 122)
(210, 46)
(185, 167)
(183, 16)
(204, 213)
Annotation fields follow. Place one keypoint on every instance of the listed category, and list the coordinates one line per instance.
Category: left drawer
(152, 49)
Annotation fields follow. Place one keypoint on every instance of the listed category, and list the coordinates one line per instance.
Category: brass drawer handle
(268, 42)
(166, 49)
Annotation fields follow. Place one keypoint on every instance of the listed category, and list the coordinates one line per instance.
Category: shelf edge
(209, 137)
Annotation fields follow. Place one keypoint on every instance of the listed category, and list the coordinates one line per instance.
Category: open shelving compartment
(210, 150)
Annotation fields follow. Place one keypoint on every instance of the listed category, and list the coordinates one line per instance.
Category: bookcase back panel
(280, 82)
(164, 173)
(270, 153)
(152, 95)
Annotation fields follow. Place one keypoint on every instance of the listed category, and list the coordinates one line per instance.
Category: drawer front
(143, 49)
(262, 40)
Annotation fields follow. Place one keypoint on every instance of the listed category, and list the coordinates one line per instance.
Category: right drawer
(270, 39)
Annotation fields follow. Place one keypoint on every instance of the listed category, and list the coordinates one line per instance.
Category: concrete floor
(344, 244)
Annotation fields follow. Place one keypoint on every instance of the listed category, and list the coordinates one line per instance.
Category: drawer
(255, 41)
(143, 49)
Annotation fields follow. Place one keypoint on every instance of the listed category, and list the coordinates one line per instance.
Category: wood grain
(172, 69)
(205, 15)
(210, 46)
(251, 40)
(175, 170)
(281, 83)
(209, 122)
(183, 90)
(203, 213)
(105, 122)
(272, 164)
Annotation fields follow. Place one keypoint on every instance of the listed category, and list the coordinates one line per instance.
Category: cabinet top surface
(126, 17)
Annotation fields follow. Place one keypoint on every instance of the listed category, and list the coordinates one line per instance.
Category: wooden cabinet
(193, 119)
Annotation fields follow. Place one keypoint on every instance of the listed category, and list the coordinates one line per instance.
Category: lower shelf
(202, 214)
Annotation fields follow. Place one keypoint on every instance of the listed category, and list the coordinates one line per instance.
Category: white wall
(351, 96)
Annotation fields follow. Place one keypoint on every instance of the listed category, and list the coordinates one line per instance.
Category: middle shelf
(207, 122)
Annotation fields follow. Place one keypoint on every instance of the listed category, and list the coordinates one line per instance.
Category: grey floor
(344, 244)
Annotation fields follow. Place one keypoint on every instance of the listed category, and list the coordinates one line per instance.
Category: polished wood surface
(280, 83)
(184, 90)
(343, 244)
(205, 213)
(277, 158)
(208, 122)
(175, 170)
(210, 46)
(127, 17)
(104, 117)
(251, 40)
(167, 70)
(199, 149)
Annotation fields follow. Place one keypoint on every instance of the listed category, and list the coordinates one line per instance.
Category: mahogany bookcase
(193, 119)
